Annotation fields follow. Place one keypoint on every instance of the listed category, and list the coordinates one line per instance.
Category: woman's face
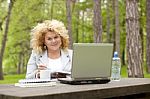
(53, 41)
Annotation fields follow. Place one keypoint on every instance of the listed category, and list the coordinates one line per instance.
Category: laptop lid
(91, 61)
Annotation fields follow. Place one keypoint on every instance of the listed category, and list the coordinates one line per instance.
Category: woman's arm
(31, 67)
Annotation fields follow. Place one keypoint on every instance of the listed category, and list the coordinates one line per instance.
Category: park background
(125, 23)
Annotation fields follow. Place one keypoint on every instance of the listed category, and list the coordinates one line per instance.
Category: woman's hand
(40, 67)
(58, 75)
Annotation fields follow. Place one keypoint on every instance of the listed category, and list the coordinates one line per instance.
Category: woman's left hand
(58, 75)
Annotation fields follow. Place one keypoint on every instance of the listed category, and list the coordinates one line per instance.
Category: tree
(108, 22)
(97, 21)
(5, 38)
(77, 26)
(142, 23)
(25, 14)
(148, 35)
(133, 41)
(117, 32)
(69, 21)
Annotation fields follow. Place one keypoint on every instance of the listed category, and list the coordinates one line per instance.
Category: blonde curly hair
(39, 31)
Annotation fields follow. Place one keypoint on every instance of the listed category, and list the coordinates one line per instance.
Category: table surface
(126, 86)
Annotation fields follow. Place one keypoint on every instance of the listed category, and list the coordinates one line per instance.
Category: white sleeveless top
(55, 64)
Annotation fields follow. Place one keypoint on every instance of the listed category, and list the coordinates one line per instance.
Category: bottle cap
(115, 54)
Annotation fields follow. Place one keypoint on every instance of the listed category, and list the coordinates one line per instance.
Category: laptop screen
(91, 60)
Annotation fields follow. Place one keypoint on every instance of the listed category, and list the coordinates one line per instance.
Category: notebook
(91, 63)
(35, 82)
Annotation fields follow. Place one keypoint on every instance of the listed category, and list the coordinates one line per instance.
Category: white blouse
(55, 65)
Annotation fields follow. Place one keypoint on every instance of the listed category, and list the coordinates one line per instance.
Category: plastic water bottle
(116, 67)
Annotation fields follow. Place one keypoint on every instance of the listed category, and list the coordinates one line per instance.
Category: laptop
(91, 63)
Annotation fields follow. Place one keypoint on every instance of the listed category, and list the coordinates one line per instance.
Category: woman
(50, 50)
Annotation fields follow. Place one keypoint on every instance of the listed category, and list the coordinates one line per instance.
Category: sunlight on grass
(124, 72)
(11, 79)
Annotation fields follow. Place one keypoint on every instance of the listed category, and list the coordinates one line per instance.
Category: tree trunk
(77, 26)
(123, 57)
(97, 21)
(5, 39)
(117, 32)
(52, 6)
(133, 41)
(20, 63)
(108, 22)
(83, 33)
(113, 21)
(148, 35)
(141, 27)
(69, 21)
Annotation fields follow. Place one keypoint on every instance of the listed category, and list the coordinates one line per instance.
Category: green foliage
(124, 71)
(3, 9)
(24, 15)
(27, 13)
(12, 79)
(82, 21)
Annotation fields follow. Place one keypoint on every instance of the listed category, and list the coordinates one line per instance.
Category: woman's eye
(55, 37)
(49, 38)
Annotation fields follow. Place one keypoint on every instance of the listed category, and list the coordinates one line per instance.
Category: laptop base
(78, 82)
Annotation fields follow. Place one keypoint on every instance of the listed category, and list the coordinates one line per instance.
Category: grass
(12, 79)
(124, 72)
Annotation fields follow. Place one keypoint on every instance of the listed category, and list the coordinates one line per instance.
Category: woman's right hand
(40, 67)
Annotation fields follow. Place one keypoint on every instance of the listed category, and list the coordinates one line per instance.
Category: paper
(35, 82)
(64, 72)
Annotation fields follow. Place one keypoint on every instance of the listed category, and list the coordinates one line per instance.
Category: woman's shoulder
(68, 51)
(34, 53)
